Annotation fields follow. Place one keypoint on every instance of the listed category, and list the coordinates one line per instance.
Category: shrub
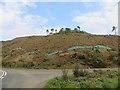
(114, 58)
(98, 63)
(58, 65)
(73, 56)
(25, 64)
(97, 60)
(81, 57)
(83, 72)
(97, 50)
(46, 60)
(76, 71)
(65, 75)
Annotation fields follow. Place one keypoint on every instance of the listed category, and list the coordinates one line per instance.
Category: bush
(65, 75)
(97, 50)
(83, 72)
(81, 57)
(25, 64)
(97, 60)
(98, 63)
(46, 60)
(78, 73)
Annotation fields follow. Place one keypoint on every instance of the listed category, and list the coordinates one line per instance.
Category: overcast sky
(27, 18)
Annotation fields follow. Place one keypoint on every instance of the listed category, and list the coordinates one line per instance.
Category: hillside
(31, 52)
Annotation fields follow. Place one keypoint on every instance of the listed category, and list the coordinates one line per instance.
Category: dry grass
(45, 44)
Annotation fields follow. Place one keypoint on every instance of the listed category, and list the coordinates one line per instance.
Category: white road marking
(3, 74)
(1, 77)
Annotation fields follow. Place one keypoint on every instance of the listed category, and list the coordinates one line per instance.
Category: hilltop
(31, 51)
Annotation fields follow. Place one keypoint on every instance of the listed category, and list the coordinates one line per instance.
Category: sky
(26, 18)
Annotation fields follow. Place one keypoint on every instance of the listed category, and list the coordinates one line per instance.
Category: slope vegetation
(31, 52)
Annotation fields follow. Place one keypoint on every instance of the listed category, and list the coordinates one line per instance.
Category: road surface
(31, 78)
(1, 73)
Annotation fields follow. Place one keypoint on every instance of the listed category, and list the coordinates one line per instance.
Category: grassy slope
(45, 44)
(59, 42)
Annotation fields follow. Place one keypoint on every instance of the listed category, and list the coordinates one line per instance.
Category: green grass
(98, 79)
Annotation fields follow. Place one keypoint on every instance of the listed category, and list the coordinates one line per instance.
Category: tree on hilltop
(78, 27)
(47, 31)
(52, 30)
(56, 30)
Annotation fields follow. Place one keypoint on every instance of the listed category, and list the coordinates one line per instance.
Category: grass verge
(97, 79)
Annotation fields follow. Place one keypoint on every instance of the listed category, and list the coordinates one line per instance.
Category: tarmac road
(28, 78)
(31, 78)
(1, 73)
